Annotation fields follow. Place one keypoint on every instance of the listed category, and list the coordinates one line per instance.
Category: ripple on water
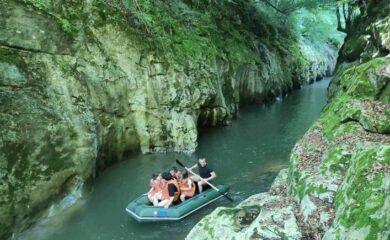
(246, 156)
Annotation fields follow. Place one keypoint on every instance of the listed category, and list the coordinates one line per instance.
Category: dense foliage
(193, 30)
(203, 31)
(346, 11)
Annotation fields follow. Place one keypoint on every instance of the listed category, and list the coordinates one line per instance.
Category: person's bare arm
(213, 175)
(185, 188)
(169, 203)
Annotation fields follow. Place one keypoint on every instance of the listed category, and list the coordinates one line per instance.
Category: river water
(246, 156)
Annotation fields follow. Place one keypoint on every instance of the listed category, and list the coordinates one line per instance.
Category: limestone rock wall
(337, 185)
(269, 215)
(338, 182)
(79, 89)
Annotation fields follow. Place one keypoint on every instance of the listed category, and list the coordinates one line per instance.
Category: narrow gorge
(337, 185)
(88, 84)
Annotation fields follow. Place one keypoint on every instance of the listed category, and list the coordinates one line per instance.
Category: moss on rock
(361, 199)
(84, 82)
(353, 47)
(366, 80)
(339, 172)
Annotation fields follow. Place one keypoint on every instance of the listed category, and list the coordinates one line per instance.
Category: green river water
(246, 156)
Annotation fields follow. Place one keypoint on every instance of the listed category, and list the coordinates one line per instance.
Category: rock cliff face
(84, 82)
(337, 185)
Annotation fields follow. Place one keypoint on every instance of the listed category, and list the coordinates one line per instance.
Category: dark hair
(155, 175)
(167, 176)
(185, 175)
(174, 169)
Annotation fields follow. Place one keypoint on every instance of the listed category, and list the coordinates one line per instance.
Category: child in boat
(154, 193)
(187, 187)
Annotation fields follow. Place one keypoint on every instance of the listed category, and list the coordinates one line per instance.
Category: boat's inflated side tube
(141, 210)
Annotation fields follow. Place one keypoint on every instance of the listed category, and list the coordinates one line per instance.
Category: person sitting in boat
(155, 193)
(187, 187)
(175, 173)
(170, 190)
(205, 172)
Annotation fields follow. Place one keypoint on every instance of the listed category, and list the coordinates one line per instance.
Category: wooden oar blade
(181, 164)
(229, 198)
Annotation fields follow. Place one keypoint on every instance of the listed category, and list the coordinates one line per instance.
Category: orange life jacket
(184, 184)
(165, 192)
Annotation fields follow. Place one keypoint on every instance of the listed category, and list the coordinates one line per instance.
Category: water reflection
(246, 156)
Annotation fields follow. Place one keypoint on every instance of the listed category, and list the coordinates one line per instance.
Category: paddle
(211, 185)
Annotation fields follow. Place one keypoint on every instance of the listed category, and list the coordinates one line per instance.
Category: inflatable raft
(142, 210)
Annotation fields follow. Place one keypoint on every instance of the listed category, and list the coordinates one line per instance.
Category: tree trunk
(347, 12)
(339, 25)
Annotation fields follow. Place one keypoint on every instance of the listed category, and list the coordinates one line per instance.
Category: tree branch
(274, 7)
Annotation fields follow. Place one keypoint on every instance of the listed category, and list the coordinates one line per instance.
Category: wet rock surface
(79, 88)
(337, 184)
(263, 216)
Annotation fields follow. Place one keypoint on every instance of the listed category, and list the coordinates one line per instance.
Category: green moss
(344, 114)
(300, 183)
(336, 160)
(208, 229)
(365, 80)
(168, 33)
(386, 155)
(67, 26)
(299, 190)
(345, 128)
(331, 118)
(301, 63)
(228, 211)
(361, 199)
(292, 178)
(353, 47)
(195, 32)
(312, 188)
(385, 94)
(367, 201)
(39, 4)
(66, 16)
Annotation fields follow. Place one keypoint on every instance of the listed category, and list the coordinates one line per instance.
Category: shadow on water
(246, 156)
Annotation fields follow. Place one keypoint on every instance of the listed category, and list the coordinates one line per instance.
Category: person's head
(173, 170)
(185, 175)
(155, 175)
(159, 177)
(166, 176)
(202, 162)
